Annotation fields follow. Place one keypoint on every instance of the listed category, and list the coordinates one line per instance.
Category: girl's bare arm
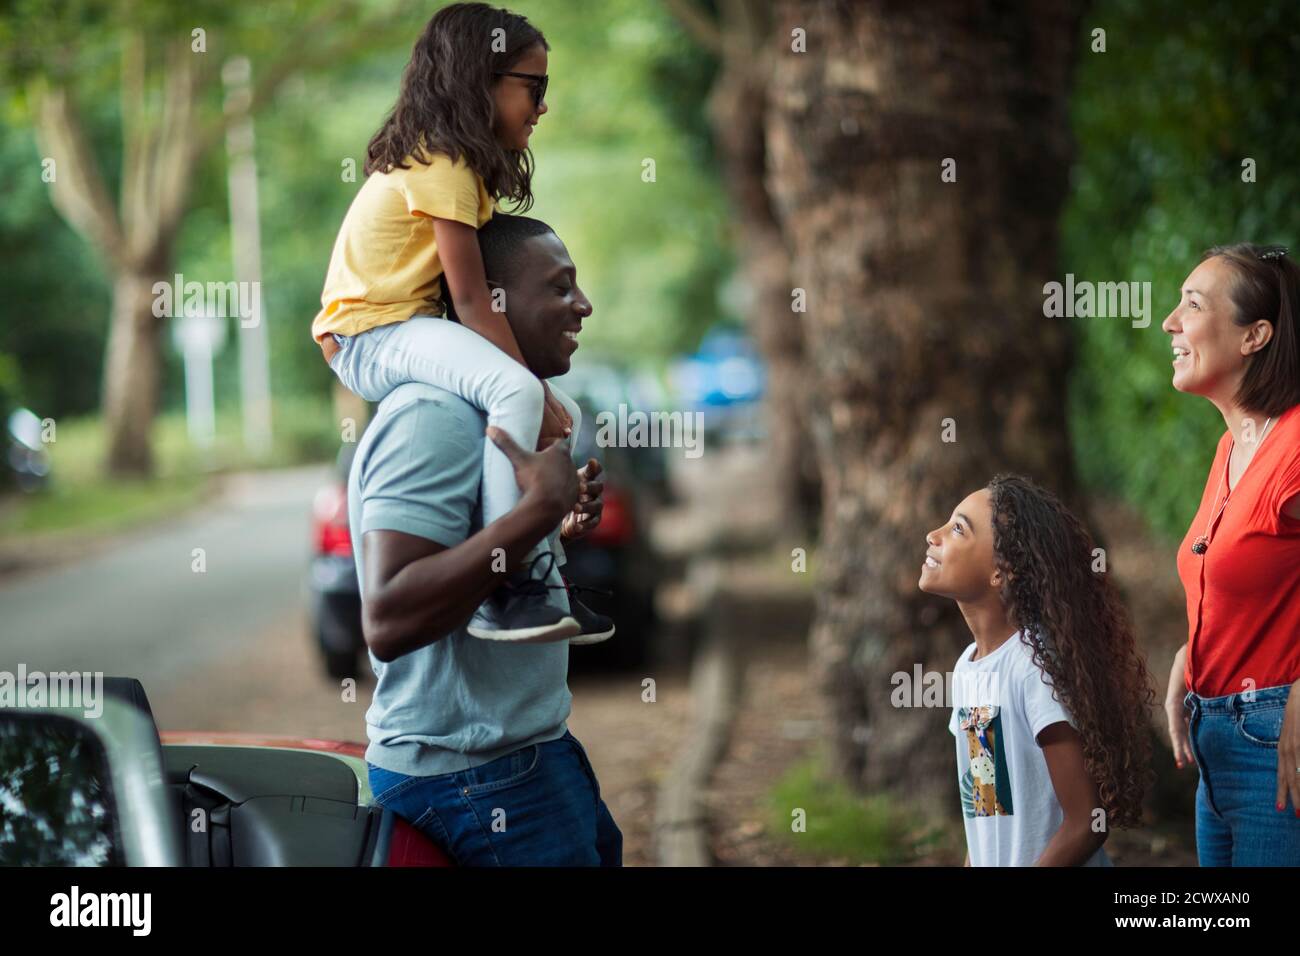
(1077, 839)
(462, 263)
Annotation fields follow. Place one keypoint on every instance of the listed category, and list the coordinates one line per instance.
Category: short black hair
(499, 240)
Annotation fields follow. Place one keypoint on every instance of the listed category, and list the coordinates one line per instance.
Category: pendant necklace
(1202, 542)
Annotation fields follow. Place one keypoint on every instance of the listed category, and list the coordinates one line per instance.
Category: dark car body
(615, 559)
(334, 594)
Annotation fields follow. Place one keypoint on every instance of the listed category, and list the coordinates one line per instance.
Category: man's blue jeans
(1234, 739)
(538, 806)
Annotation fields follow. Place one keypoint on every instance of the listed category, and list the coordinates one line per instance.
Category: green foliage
(80, 497)
(101, 507)
(844, 827)
(56, 297)
(9, 380)
(1164, 119)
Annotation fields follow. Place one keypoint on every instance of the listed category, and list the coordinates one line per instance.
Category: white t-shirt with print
(1000, 704)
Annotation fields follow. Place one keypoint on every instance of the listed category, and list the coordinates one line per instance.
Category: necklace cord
(1202, 543)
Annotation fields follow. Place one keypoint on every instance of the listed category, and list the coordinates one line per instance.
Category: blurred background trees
(740, 37)
(131, 113)
(153, 63)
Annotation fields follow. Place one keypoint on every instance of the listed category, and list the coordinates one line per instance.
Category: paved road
(229, 650)
(138, 608)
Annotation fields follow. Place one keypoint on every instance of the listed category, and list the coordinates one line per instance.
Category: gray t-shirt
(460, 701)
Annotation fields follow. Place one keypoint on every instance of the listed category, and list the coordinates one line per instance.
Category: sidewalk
(754, 712)
(779, 719)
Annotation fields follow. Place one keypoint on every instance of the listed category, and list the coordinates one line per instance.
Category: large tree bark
(924, 304)
(738, 108)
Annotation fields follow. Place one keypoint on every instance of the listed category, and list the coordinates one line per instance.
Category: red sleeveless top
(1243, 594)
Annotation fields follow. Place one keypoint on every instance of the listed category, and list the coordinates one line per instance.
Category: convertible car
(109, 790)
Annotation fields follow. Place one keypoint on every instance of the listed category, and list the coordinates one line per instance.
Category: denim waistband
(1243, 703)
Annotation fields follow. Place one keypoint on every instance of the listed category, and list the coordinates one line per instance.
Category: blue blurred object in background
(25, 453)
(727, 378)
(725, 370)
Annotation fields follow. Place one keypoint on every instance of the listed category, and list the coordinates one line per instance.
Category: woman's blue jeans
(1234, 739)
(538, 806)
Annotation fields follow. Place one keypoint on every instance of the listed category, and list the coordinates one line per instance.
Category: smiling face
(1210, 350)
(544, 305)
(515, 113)
(959, 555)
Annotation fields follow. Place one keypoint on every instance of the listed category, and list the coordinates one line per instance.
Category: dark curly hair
(445, 104)
(1072, 619)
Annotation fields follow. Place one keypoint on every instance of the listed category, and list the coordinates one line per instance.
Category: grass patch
(843, 827)
(100, 507)
(81, 498)
(783, 560)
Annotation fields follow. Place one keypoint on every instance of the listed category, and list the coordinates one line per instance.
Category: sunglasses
(539, 80)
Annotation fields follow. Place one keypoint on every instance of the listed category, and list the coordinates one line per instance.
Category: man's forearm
(432, 596)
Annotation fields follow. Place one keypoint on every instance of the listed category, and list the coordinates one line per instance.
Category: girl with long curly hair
(455, 143)
(1051, 700)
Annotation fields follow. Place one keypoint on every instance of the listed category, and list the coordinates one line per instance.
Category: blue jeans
(538, 806)
(1234, 740)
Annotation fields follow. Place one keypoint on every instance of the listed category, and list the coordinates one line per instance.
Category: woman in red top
(1233, 705)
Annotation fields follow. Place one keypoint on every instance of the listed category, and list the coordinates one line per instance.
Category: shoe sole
(592, 638)
(562, 630)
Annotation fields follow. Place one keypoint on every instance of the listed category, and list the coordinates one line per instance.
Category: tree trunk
(133, 364)
(738, 110)
(925, 309)
(136, 240)
(739, 36)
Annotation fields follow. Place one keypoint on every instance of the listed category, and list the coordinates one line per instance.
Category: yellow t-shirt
(385, 264)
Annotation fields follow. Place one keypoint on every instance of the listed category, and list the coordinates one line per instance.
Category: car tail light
(330, 529)
(617, 523)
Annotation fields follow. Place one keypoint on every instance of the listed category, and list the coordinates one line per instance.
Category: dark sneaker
(518, 612)
(595, 627)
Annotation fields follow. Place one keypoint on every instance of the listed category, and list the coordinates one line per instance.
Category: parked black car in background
(616, 556)
(334, 595)
(614, 560)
